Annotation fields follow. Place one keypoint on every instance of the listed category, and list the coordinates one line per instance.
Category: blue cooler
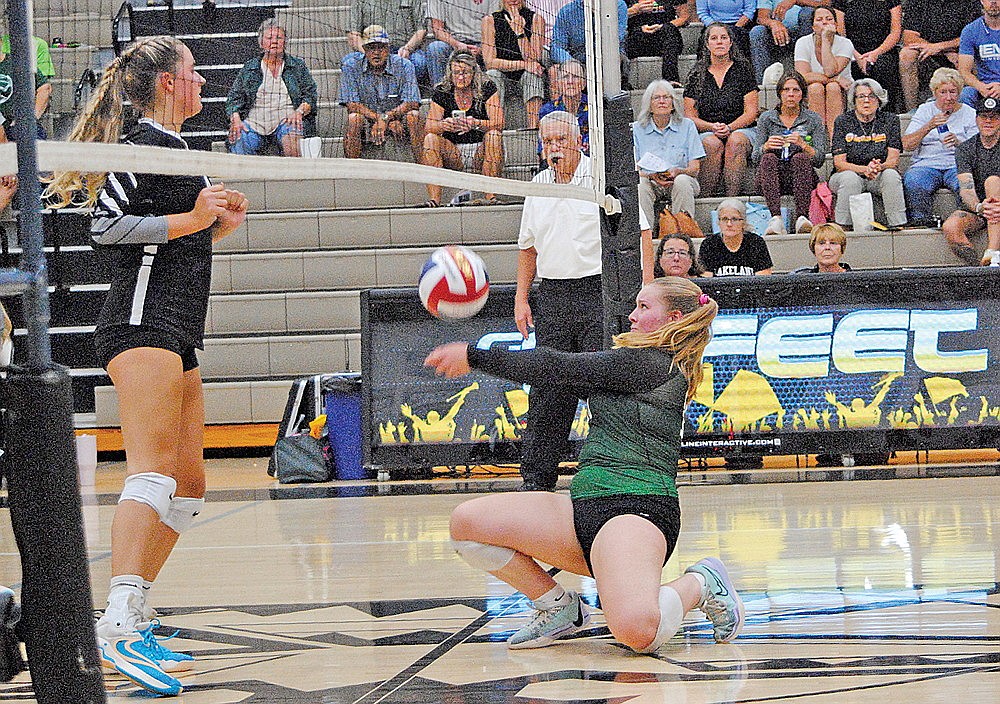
(342, 398)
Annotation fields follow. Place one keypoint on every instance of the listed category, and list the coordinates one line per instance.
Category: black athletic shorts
(590, 515)
(112, 341)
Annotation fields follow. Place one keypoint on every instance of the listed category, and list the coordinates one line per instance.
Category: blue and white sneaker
(720, 602)
(126, 655)
(167, 659)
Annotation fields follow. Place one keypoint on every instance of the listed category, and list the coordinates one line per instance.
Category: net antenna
(42, 477)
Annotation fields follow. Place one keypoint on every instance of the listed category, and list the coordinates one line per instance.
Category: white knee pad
(489, 558)
(182, 511)
(150, 488)
(671, 618)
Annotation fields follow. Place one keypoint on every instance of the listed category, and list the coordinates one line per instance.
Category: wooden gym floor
(856, 591)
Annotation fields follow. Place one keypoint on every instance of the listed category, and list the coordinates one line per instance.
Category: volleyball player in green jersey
(621, 520)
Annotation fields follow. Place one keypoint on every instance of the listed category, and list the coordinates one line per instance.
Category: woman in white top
(935, 131)
(824, 60)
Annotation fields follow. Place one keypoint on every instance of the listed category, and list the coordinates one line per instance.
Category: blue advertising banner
(798, 363)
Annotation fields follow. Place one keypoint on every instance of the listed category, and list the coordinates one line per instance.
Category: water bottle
(786, 151)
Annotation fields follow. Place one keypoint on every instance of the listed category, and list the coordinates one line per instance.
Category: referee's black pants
(568, 316)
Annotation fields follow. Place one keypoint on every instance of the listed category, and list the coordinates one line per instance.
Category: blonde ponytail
(686, 338)
(131, 75)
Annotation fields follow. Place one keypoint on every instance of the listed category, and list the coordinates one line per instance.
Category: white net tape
(87, 157)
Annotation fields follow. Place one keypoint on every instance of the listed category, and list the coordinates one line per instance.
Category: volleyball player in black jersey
(621, 520)
(155, 233)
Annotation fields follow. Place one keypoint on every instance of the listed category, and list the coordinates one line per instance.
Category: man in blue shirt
(979, 55)
(381, 95)
(572, 80)
(569, 36)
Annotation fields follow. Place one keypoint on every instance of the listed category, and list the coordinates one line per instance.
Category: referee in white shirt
(560, 242)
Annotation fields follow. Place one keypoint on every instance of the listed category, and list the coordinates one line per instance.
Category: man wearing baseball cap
(381, 95)
(978, 161)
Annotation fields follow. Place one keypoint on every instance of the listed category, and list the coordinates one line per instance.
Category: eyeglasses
(558, 140)
(682, 253)
(865, 96)
(731, 220)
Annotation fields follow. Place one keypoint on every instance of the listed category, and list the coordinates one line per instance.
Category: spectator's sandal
(429, 203)
(484, 201)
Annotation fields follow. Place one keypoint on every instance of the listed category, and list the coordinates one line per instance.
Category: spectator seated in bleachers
(723, 101)
(874, 27)
(457, 26)
(8, 183)
(654, 30)
(827, 242)
(734, 250)
(404, 22)
(43, 88)
(569, 38)
(675, 256)
(824, 60)
(464, 129)
(978, 163)
(931, 30)
(668, 151)
(572, 83)
(793, 146)
(548, 9)
(934, 133)
(978, 55)
(866, 149)
(738, 15)
(780, 23)
(512, 54)
(382, 97)
(43, 63)
(273, 97)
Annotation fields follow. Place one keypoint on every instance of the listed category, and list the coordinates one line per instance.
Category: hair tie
(703, 299)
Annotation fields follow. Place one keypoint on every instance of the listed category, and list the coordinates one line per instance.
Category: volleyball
(453, 283)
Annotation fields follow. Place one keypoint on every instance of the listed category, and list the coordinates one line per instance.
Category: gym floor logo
(795, 645)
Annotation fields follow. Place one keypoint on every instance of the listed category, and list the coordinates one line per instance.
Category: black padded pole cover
(621, 255)
(57, 609)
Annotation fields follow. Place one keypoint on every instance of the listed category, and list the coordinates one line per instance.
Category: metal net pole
(57, 617)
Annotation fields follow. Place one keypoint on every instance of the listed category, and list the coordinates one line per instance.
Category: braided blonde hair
(133, 75)
(686, 338)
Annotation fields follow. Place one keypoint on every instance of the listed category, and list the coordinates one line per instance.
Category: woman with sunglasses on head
(464, 127)
(621, 520)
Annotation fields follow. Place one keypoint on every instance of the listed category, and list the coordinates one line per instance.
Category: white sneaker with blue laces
(125, 653)
(129, 646)
(168, 660)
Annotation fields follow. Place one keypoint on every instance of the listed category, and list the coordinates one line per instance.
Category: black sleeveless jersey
(155, 282)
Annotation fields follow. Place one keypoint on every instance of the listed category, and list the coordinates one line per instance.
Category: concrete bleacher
(286, 286)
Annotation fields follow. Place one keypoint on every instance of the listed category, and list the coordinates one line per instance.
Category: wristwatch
(979, 208)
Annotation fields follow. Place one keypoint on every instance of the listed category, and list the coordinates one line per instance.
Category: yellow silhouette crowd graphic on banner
(748, 403)
(508, 423)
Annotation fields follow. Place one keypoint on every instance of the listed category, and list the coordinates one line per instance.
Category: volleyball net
(76, 40)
